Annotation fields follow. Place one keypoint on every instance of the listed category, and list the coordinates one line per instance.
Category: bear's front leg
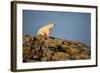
(47, 34)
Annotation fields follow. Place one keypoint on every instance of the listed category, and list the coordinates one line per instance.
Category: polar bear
(45, 30)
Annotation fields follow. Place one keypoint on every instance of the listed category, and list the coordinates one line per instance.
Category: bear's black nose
(54, 25)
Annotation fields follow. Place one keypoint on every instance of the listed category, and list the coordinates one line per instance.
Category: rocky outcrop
(44, 48)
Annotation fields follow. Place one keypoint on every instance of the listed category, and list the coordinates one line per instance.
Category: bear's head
(51, 25)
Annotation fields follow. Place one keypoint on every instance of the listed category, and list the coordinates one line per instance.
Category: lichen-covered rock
(57, 56)
(26, 39)
(69, 49)
(26, 54)
(44, 48)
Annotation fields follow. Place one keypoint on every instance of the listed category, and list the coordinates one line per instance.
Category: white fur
(45, 30)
